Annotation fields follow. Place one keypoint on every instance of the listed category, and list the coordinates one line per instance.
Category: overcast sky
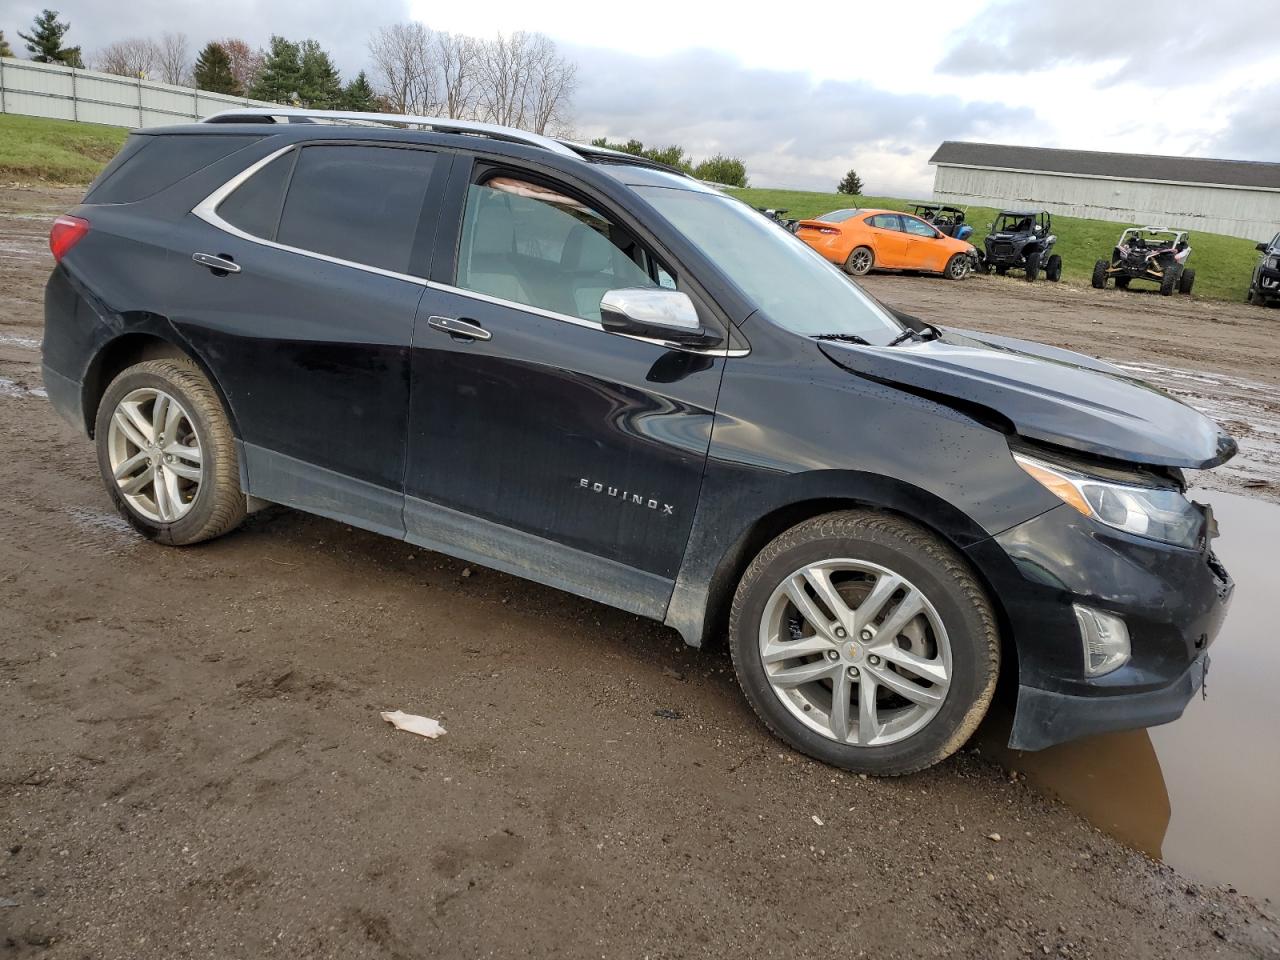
(815, 88)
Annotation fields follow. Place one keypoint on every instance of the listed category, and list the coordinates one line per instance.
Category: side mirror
(1262, 248)
(653, 312)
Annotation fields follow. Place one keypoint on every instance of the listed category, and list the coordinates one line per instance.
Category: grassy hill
(33, 149)
(1223, 265)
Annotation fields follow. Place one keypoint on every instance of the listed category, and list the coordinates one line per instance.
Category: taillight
(66, 233)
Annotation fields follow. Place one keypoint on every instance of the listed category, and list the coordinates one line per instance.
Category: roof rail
(439, 124)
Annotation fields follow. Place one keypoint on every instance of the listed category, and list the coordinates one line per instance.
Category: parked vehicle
(1156, 254)
(1022, 240)
(779, 217)
(862, 240)
(948, 220)
(592, 371)
(1264, 285)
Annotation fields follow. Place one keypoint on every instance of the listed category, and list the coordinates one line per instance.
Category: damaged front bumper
(1171, 599)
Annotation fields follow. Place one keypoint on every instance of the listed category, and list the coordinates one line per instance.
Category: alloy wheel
(860, 262)
(855, 651)
(155, 455)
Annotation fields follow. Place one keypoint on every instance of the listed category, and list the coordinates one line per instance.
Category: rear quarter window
(156, 163)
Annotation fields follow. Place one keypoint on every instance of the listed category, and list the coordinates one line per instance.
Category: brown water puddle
(1202, 793)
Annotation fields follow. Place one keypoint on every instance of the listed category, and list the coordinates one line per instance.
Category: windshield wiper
(903, 337)
(843, 337)
(911, 334)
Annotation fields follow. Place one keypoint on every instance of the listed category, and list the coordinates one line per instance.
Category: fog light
(1105, 639)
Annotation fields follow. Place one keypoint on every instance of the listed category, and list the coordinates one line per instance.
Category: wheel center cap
(852, 651)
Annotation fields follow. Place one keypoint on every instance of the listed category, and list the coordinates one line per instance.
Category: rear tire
(177, 489)
(1099, 279)
(1033, 266)
(957, 267)
(1186, 281)
(860, 261)
(900, 727)
(1169, 282)
(1053, 269)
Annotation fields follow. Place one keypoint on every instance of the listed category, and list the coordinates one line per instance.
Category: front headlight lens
(1271, 262)
(1155, 512)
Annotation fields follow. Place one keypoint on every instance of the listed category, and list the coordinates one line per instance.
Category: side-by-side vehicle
(592, 371)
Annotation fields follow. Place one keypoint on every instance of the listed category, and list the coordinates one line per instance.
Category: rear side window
(158, 162)
(357, 203)
(254, 206)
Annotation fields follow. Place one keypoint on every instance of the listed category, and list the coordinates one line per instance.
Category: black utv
(1264, 285)
(1022, 240)
(1156, 254)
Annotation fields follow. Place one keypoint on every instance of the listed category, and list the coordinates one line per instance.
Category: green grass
(36, 150)
(1223, 265)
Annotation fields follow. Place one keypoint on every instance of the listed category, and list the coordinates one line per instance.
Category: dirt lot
(193, 764)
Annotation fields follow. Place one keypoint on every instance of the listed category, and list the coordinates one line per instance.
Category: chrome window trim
(579, 322)
(207, 210)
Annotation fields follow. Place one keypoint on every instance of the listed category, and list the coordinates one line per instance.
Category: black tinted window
(357, 203)
(160, 162)
(254, 206)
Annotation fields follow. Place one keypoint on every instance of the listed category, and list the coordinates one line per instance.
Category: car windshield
(789, 282)
(836, 216)
(1015, 223)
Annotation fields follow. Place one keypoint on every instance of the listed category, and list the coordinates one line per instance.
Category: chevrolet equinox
(597, 373)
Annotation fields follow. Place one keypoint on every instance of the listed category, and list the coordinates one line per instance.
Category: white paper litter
(422, 726)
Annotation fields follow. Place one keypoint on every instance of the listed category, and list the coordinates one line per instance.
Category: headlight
(1272, 263)
(1156, 512)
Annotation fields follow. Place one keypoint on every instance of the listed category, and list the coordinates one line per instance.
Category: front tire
(1169, 282)
(1186, 281)
(864, 641)
(957, 267)
(1053, 269)
(1033, 266)
(167, 453)
(860, 261)
(1099, 279)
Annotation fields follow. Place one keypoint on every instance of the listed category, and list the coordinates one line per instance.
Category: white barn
(1235, 197)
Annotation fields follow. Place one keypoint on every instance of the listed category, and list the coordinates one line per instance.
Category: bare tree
(456, 64)
(174, 58)
(135, 57)
(404, 71)
(525, 82)
(246, 63)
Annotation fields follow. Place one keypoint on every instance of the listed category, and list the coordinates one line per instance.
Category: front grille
(1002, 249)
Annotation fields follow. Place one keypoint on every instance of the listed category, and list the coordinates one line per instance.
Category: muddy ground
(193, 765)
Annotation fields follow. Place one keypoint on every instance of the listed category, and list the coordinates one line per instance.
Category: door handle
(459, 328)
(223, 264)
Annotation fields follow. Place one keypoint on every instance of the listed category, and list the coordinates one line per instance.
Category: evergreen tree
(213, 70)
(851, 184)
(44, 42)
(280, 80)
(320, 86)
(5, 49)
(359, 95)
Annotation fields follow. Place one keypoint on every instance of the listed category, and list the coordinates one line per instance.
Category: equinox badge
(627, 496)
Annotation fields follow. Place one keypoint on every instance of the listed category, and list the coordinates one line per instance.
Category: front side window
(531, 244)
(918, 228)
(357, 203)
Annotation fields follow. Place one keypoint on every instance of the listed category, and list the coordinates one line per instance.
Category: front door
(309, 331)
(889, 240)
(538, 442)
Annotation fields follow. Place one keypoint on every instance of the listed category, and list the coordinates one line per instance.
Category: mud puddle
(1200, 793)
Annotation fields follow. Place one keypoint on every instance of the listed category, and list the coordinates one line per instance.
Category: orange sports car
(860, 240)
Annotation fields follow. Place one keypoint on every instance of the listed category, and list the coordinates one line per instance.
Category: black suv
(1264, 285)
(594, 372)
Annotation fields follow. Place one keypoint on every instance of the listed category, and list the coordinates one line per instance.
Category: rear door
(889, 240)
(542, 444)
(308, 333)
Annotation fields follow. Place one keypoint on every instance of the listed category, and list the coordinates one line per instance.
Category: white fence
(53, 90)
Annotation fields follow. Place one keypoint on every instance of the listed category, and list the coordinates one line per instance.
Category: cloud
(790, 129)
(1252, 132)
(1156, 45)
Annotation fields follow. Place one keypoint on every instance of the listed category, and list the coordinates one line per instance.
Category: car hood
(1049, 395)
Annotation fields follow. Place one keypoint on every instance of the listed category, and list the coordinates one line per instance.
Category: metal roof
(1090, 163)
